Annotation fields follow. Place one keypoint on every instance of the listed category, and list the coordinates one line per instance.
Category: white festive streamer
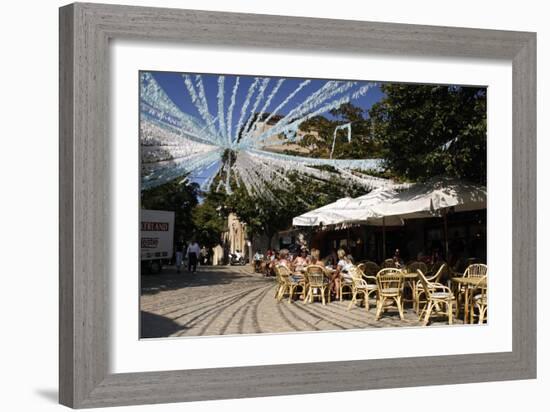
(304, 112)
(263, 109)
(230, 110)
(340, 127)
(176, 144)
(244, 108)
(198, 102)
(156, 104)
(204, 104)
(288, 99)
(221, 107)
(259, 98)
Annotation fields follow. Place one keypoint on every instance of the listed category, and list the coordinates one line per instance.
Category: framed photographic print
(259, 205)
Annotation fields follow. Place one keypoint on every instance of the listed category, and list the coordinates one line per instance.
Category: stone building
(233, 239)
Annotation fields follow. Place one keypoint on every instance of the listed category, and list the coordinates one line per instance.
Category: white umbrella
(330, 214)
(389, 207)
(433, 198)
(348, 211)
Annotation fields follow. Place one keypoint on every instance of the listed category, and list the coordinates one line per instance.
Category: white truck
(156, 239)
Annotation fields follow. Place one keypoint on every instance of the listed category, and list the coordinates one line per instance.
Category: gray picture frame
(85, 32)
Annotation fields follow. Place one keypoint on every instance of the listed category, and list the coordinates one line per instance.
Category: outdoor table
(409, 279)
(410, 275)
(468, 282)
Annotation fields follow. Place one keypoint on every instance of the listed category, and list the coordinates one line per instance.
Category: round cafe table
(409, 279)
(469, 282)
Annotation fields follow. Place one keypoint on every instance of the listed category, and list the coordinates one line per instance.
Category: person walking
(193, 251)
(180, 246)
(204, 255)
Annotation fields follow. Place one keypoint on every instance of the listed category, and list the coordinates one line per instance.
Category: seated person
(316, 258)
(342, 271)
(284, 258)
(285, 261)
(399, 263)
(301, 261)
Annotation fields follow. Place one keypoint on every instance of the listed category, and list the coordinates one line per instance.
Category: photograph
(283, 205)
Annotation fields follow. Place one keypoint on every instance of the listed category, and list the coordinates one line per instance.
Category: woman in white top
(342, 269)
(193, 251)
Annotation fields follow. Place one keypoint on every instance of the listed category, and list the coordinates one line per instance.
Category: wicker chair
(318, 284)
(390, 287)
(472, 261)
(419, 288)
(345, 283)
(479, 300)
(445, 276)
(360, 286)
(436, 294)
(415, 265)
(280, 283)
(287, 285)
(389, 263)
(475, 270)
(412, 267)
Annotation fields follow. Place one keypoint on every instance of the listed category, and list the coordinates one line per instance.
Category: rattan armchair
(479, 300)
(419, 288)
(287, 284)
(281, 284)
(476, 270)
(436, 294)
(390, 287)
(345, 282)
(415, 265)
(361, 287)
(389, 263)
(318, 284)
(411, 283)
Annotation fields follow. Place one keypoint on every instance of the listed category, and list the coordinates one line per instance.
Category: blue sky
(174, 86)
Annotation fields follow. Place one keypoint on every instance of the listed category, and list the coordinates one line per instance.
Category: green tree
(210, 219)
(268, 216)
(320, 135)
(178, 196)
(425, 131)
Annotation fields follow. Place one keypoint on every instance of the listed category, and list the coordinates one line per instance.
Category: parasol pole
(383, 238)
(446, 234)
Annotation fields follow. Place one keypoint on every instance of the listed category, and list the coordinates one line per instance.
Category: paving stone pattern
(227, 300)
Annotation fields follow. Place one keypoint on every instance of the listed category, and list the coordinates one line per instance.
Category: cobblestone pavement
(225, 300)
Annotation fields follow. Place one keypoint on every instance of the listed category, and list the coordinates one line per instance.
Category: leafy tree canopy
(210, 219)
(425, 131)
(319, 135)
(179, 196)
(268, 216)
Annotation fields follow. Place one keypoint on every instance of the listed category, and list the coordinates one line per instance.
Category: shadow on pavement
(156, 326)
(169, 279)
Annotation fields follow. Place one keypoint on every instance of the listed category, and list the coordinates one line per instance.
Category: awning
(433, 198)
(390, 207)
(349, 211)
